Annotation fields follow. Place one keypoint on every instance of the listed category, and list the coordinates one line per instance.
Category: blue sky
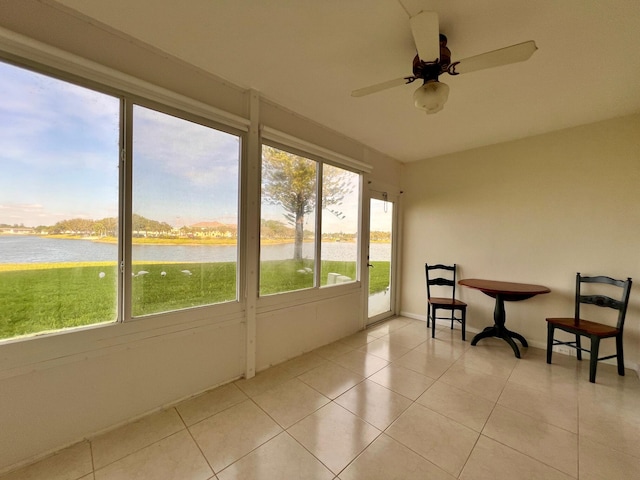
(59, 160)
(58, 150)
(184, 173)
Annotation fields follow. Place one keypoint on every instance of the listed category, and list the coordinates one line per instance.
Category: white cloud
(47, 122)
(200, 154)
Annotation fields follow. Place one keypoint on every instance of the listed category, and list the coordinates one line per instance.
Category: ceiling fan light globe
(431, 96)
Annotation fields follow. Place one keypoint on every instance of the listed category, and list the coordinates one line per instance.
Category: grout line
(93, 465)
(200, 450)
(454, 360)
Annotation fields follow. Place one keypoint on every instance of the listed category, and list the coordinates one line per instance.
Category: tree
(289, 180)
(111, 226)
(275, 229)
(145, 226)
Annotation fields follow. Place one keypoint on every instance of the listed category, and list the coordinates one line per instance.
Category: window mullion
(125, 237)
(318, 244)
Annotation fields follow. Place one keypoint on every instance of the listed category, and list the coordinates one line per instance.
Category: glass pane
(287, 233)
(185, 213)
(58, 204)
(381, 215)
(339, 251)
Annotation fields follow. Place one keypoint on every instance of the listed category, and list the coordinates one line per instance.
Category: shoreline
(174, 241)
(135, 240)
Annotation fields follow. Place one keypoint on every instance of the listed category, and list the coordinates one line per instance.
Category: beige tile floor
(386, 403)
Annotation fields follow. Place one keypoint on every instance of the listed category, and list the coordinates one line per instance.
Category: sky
(59, 156)
(59, 148)
(183, 172)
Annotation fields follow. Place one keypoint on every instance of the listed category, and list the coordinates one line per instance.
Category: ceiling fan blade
(426, 34)
(496, 58)
(381, 86)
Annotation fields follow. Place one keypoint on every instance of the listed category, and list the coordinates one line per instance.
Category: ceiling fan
(434, 59)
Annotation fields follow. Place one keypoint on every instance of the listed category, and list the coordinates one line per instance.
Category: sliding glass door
(382, 213)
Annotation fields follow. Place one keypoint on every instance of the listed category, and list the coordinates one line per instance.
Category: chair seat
(584, 327)
(446, 302)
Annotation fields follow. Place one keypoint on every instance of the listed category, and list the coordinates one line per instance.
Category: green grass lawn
(37, 300)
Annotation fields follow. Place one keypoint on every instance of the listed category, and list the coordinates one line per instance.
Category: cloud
(60, 151)
(21, 213)
(53, 124)
(180, 148)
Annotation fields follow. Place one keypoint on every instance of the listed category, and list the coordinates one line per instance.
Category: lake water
(34, 249)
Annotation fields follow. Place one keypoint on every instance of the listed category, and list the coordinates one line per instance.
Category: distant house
(16, 231)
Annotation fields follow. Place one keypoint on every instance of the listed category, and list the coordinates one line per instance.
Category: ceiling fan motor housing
(431, 70)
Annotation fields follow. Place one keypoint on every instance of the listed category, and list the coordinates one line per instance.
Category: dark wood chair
(593, 330)
(444, 276)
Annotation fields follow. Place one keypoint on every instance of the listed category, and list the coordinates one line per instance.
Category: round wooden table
(503, 292)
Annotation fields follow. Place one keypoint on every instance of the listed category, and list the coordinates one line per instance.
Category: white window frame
(289, 143)
(24, 52)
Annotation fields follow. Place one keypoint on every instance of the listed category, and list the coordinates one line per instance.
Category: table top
(510, 289)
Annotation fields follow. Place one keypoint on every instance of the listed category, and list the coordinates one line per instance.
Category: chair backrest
(604, 300)
(436, 278)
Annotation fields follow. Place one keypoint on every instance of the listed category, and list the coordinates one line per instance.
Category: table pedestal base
(499, 330)
(503, 333)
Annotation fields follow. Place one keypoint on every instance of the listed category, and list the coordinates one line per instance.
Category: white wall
(284, 333)
(536, 210)
(58, 389)
(52, 403)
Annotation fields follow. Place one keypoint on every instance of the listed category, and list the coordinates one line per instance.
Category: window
(288, 241)
(185, 213)
(287, 233)
(58, 204)
(96, 184)
(340, 208)
(63, 206)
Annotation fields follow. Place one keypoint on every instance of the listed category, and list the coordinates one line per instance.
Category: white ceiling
(308, 55)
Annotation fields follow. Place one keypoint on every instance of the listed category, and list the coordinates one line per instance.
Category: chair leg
(550, 330)
(433, 322)
(593, 361)
(428, 314)
(464, 322)
(620, 354)
(453, 314)
(578, 347)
